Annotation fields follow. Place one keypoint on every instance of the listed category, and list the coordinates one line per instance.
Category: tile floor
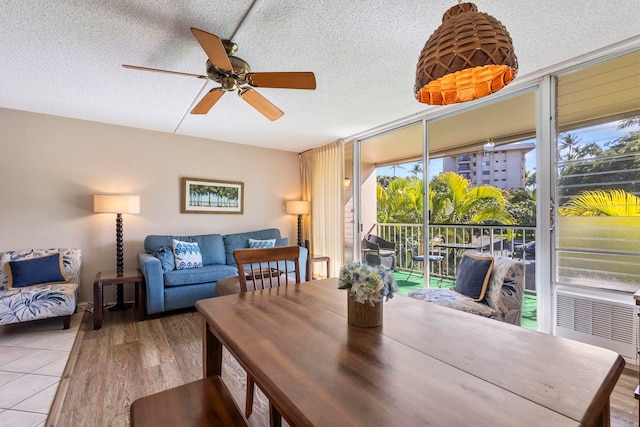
(33, 356)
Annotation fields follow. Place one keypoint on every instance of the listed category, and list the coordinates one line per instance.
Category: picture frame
(211, 196)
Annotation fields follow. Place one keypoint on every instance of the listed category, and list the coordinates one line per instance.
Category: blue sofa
(170, 289)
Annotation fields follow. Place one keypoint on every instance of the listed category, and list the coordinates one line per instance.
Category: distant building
(502, 167)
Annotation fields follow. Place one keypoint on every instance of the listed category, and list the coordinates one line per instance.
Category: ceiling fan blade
(135, 67)
(208, 101)
(260, 103)
(286, 80)
(214, 49)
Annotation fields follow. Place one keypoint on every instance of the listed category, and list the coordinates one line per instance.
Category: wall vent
(604, 318)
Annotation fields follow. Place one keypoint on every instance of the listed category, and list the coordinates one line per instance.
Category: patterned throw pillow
(186, 254)
(270, 243)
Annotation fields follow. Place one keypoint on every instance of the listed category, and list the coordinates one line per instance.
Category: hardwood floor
(127, 359)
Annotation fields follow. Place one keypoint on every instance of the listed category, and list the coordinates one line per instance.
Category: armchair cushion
(21, 304)
(36, 271)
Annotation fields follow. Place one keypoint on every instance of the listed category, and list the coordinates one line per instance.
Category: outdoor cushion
(473, 275)
(452, 299)
(506, 289)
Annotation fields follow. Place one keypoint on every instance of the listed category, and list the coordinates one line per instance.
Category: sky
(598, 134)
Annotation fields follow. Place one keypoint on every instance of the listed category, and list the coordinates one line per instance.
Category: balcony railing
(512, 241)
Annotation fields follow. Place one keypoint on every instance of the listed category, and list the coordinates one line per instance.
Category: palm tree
(416, 169)
(454, 201)
(614, 202)
(568, 146)
(400, 201)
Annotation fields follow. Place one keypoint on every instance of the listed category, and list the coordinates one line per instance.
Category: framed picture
(212, 196)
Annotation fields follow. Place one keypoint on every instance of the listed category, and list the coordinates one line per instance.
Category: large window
(598, 176)
(598, 190)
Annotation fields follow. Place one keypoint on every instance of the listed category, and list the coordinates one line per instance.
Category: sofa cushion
(204, 274)
(187, 255)
(37, 271)
(231, 285)
(452, 299)
(473, 275)
(241, 241)
(211, 245)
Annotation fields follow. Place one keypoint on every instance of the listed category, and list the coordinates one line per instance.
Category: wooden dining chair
(266, 268)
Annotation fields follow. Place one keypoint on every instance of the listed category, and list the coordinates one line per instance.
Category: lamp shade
(297, 207)
(470, 55)
(113, 203)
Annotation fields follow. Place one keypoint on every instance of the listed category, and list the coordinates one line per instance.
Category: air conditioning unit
(603, 318)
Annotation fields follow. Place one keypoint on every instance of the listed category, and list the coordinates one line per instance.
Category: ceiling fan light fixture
(470, 55)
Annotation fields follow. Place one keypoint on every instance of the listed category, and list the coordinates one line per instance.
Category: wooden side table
(317, 258)
(106, 278)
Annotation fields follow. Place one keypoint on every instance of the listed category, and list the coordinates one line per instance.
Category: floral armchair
(40, 300)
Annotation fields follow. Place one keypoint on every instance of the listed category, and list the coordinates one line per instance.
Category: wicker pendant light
(470, 55)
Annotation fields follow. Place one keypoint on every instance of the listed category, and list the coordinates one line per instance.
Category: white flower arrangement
(367, 284)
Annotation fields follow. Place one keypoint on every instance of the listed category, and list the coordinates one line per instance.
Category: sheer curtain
(322, 185)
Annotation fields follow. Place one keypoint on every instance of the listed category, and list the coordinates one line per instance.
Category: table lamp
(118, 204)
(298, 207)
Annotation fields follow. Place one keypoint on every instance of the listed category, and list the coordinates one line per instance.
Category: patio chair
(527, 251)
(379, 251)
(416, 257)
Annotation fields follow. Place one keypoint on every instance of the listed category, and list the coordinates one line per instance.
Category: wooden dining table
(426, 365)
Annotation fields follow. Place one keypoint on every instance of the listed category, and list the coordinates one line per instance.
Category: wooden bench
(206, 402)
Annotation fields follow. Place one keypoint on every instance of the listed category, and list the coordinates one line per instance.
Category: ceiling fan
(234, 74)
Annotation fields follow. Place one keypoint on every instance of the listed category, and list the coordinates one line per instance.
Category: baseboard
(61, 393)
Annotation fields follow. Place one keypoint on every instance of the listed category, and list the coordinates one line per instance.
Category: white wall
(50, 168)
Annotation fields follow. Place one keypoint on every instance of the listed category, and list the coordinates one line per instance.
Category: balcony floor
(529, 304)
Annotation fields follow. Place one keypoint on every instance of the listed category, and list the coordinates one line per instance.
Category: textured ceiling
(64, 58)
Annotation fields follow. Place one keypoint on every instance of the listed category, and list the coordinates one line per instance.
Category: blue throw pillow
(269, 243)
(282, 242)
(186, 254)
(165, 255)
(473, 275)
(36, 271)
